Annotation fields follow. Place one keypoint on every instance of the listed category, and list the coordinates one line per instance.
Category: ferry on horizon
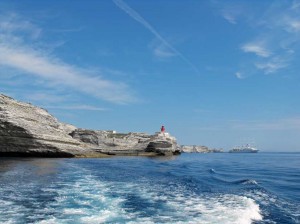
(244, 149)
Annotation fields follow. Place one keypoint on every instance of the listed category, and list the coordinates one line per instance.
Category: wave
(246, 182)
(211, 208)
(212, 171)
(79, 196)
(275, 208)
(105, 201)
(249, 182)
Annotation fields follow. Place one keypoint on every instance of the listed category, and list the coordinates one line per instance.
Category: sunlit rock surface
(27, 130)
(198, 149)
(114, 143)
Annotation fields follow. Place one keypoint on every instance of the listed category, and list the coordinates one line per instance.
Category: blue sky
(215, 73)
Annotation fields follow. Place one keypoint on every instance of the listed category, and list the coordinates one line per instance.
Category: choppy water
(191, 188)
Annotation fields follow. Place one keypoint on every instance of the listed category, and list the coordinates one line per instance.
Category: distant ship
(244, 149)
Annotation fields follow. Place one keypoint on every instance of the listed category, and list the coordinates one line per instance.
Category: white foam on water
(104, 216)
(52, 220)
(8, 222)
(290, 209)
(73, 211)
(250, 182)
(86, 199)
(5, 203)
(222, 209)
(206, 209)
(10, 212)
(97, 206)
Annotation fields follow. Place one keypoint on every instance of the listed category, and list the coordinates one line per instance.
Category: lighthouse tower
(162, 129)
(162, 133)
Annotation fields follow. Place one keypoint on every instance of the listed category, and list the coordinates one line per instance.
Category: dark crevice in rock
(15, 141)
(27, 130)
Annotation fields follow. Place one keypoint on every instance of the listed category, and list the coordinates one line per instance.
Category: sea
(190, 188)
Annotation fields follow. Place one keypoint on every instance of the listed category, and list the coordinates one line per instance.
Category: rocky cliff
(27, 130)
(198, 149)
(112, 143)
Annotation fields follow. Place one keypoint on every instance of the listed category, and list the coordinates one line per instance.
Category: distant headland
(30, 131)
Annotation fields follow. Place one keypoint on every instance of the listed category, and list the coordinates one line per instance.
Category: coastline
(30, 131)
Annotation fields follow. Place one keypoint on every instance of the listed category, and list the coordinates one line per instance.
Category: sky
(214, 73)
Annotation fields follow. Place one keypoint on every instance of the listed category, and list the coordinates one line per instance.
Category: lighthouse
(163, 134)
(162, 129)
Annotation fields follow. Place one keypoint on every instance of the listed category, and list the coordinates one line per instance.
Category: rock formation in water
(27, 130)
(113, 143)
(198, 149)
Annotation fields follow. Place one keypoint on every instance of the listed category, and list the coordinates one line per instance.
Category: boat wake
(246, 182)
(134, 190)
(79, 196)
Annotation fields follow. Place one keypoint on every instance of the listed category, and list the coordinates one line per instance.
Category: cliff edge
(198, 149)
(27, 130)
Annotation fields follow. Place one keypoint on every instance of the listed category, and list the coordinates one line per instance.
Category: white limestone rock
(198, 149)
(27, 130)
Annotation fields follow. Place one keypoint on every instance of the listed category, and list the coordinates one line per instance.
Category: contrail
(133, 14)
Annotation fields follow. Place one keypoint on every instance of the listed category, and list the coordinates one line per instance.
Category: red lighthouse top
(162, 129)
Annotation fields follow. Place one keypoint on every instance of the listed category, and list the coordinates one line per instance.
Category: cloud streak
(11, 24)
(229, 17)
(76, 107)
(19, 53)
(272, 65)
(239, 75)
(281, 124)
(292, 123)
(137, 17)
(52, 69)
(256, 48)
(275, 39)
(161, 51)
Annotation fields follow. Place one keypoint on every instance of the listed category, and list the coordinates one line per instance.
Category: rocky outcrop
(112, 143)
(198, 149)
(27, 130)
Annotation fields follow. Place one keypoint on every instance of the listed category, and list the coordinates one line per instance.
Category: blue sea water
(190, 188)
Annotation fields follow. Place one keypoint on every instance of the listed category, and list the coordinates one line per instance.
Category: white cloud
(275, 28)
(136, 16)
(42, 97)
(292, 123)
(76, 107)
(272, 65)
(294, 25)
(162, 51)
(257, 48)
(54, 70)
(230, 12)
(11, 24)
(269, 67)
(280, 124)
(229, 17)
(296, 4)
(239, 75)
(18, 53)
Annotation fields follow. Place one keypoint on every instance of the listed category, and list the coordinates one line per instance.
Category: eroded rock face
(27, 130)
(128, 143)
(198, 149)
